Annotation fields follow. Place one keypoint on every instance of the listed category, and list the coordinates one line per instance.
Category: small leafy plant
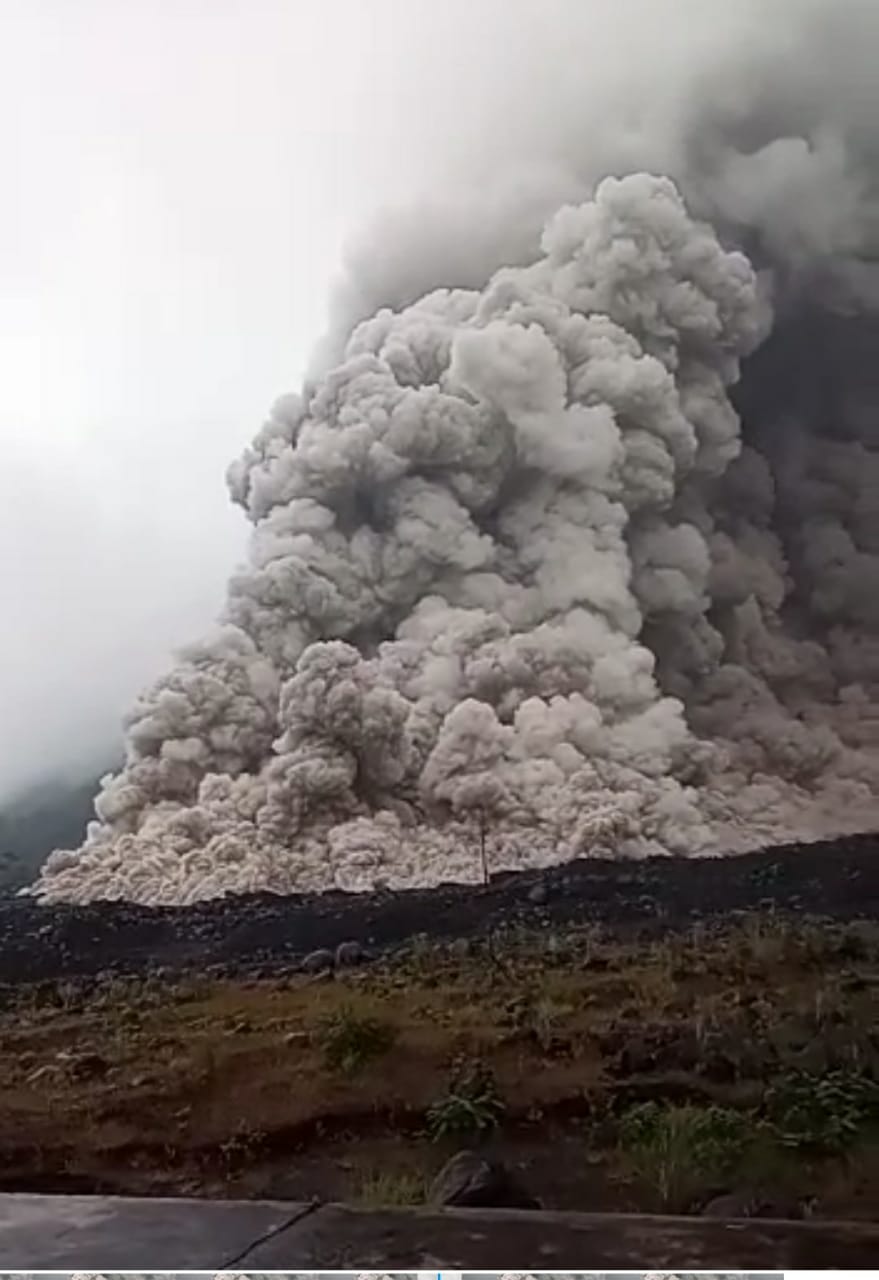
(349, 1041)
(472, 1105)
(241, 1144)
(823, 1114)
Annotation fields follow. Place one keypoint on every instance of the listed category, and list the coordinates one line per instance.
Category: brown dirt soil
(230, 1088)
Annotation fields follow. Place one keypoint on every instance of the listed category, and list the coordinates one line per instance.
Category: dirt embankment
(634, 1036)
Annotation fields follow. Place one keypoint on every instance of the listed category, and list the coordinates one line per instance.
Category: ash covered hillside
(575, 536)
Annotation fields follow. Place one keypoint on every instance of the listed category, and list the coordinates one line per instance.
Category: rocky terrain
(690, 1036)
(838, 878)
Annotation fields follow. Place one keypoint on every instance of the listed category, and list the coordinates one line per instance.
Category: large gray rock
(469, 1180)
(320, 961)
(349, 954)
(746, 1204)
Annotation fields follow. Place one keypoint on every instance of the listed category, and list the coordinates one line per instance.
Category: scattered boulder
(733, 1204)
(349, 954)
(320, 961)
(746, 1204)
(469, 1180)
(538, 894)
(85, 1066)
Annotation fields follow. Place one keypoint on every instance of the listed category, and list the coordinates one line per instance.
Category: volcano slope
(676, 1029)
(267, 933)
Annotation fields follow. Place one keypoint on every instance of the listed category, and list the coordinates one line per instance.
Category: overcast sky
(178, 179)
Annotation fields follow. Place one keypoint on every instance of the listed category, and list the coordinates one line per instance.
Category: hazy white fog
(177, 182)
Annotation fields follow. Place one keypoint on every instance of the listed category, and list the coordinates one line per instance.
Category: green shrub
(472, 1106)
(677, 1149)
(349, 1041)
(824, 1114)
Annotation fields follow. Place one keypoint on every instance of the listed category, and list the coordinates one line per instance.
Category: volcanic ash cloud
(511, 567)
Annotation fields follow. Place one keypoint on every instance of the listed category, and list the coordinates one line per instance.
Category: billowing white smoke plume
(535, 555)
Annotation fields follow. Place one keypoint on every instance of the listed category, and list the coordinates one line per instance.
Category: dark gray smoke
(574, 529)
